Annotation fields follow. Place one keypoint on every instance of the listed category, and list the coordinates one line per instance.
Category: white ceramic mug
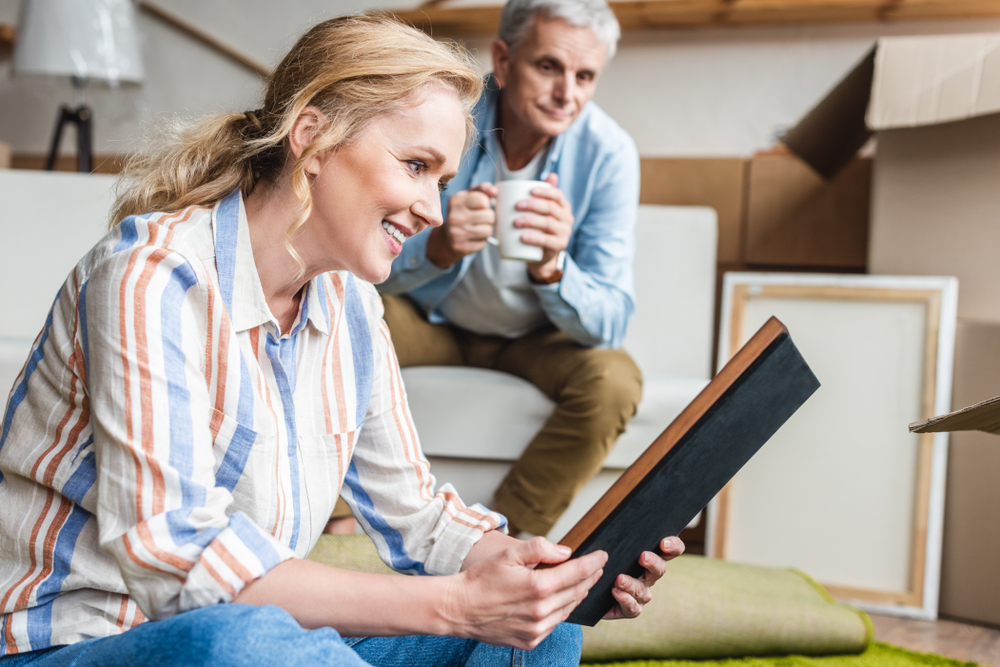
(508, 236)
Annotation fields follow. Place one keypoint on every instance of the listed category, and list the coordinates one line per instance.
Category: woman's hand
(504, 599)
(633, 594)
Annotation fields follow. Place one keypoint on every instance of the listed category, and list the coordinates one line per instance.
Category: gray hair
(517, 16)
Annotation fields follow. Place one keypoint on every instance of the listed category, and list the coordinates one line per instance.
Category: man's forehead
(571, 44)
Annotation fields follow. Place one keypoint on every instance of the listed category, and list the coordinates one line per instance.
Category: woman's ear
(304, 130)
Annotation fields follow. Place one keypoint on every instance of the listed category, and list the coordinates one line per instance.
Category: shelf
(648, 14)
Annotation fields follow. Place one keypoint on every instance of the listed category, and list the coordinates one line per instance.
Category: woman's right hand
(507, 600)
(468, 226)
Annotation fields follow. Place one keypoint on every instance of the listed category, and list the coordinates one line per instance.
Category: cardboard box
(970, 558)
(934, 102)
(797, 219)
(717, 182)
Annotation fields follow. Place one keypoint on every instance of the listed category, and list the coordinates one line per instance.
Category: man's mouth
(394, 231)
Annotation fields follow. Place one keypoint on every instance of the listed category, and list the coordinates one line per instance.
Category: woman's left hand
(633, 594)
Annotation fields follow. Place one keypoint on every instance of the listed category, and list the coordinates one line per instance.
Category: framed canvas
(844, 492)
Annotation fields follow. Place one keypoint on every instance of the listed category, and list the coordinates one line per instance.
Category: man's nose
(565, 87)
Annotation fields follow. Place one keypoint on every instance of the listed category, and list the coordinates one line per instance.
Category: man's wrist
(438, 252)
(549, 273)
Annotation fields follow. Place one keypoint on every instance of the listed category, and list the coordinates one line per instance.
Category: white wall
(678, 92)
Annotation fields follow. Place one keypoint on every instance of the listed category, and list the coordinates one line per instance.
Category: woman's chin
(373, 275)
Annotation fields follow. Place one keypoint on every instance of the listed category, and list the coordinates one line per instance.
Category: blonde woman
(213, 375)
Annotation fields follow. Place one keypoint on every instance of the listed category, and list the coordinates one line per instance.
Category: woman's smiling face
(384, 187)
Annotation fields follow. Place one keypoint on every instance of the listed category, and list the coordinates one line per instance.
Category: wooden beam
(200, 34)
(653, 14)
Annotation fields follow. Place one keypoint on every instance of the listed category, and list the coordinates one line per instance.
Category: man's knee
(607, 380)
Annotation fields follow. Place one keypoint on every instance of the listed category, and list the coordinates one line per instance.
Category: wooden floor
(956, 640)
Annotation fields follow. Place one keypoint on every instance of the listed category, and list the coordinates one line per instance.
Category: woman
(195, 401)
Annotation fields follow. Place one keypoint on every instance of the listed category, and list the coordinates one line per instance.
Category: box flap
(934, 79)
(983, 416)
(829, 136)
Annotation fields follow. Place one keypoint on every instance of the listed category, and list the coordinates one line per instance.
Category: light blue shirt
(598, 168)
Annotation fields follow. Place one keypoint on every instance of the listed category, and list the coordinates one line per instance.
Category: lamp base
(81, 118)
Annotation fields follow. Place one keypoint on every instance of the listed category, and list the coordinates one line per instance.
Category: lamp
(85, 40)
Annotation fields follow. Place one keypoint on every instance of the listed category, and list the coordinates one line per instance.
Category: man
(556, 322)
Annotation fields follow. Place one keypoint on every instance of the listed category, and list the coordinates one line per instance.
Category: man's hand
(504, 599)
(548, 221)
(633, 594)
(468, 225)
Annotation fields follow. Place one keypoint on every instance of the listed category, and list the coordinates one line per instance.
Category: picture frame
(845, 493)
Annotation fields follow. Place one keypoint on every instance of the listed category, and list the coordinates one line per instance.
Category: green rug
(701, 609)
(877, 655)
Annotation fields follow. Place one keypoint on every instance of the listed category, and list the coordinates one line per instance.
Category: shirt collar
(240, 281)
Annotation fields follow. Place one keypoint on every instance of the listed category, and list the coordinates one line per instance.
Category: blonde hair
(352, 68)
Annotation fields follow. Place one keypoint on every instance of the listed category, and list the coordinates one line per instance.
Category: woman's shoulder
(151, 243)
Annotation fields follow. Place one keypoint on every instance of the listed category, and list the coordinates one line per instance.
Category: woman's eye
(441, 186)
(416, 166)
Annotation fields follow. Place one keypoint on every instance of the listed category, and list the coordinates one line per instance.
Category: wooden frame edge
(673, 434)
(741, 292)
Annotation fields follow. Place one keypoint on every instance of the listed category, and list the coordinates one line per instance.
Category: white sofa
(472, 423)
(48, 221)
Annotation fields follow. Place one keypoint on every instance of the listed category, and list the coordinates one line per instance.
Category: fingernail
(621, 580)
(564, 550)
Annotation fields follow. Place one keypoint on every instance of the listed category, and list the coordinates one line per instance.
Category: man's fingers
(487, 188)
(477, 199)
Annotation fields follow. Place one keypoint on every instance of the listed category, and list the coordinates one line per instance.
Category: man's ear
(500, 52)
(304, 130)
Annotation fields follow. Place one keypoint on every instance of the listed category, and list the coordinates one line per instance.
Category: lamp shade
(85, 39)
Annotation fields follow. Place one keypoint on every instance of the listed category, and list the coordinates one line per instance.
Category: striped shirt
(165, 443)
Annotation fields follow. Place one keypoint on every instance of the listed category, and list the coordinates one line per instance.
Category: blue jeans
(235, 635)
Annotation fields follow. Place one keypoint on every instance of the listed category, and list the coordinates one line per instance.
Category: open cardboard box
(933, 103)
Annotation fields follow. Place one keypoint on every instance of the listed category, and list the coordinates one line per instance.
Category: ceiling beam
(437, 17)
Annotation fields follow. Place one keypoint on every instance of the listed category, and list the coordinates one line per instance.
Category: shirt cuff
(239, 554)
(459, 536)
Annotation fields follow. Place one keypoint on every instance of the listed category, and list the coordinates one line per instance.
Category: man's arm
(593, 299)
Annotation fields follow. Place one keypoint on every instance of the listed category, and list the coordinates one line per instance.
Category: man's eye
(545, 67)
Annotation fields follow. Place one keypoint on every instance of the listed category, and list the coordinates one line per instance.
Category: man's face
(551, 75)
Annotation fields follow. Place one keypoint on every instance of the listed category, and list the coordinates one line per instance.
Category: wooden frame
(701, 450)
(938, 296)
(441, 18)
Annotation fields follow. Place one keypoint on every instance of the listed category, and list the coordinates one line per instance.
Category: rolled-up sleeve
(161, 515)
(390, 488)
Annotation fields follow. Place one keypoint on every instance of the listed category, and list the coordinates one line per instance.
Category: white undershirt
(495, 297)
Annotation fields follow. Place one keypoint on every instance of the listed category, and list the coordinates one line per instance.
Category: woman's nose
(429, 209)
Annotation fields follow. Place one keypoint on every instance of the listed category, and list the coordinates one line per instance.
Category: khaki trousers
(596, 391)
